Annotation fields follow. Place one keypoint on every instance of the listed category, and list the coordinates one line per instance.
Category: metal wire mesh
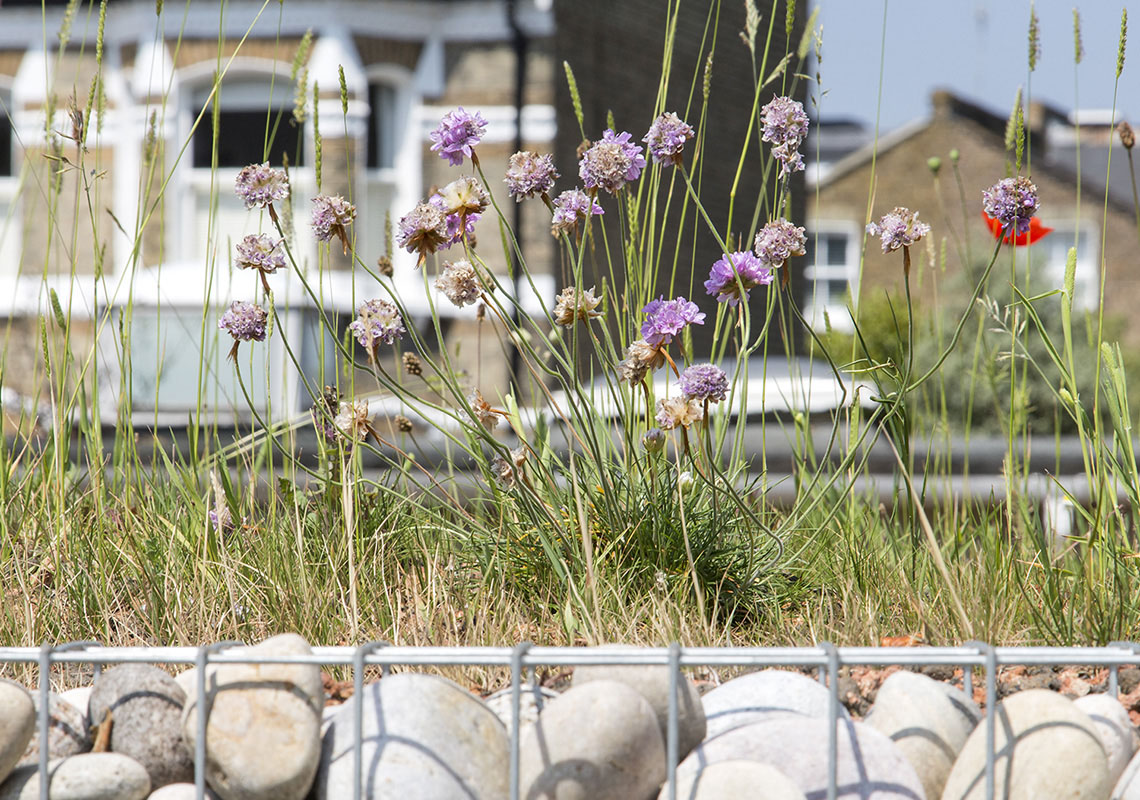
(825, 658)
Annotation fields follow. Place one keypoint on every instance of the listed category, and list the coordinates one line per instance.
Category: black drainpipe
(519, 44)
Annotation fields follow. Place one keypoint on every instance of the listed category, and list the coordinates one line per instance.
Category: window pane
(6, 165)
(836, 249)
(242, 135)
(381, 126)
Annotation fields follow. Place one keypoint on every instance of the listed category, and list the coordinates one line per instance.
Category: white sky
(977, 48)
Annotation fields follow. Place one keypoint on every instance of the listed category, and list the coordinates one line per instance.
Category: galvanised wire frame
(824, 657)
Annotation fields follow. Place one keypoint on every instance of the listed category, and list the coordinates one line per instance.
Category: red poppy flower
(1036, 231)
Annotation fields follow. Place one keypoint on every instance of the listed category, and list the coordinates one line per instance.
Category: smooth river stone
(727, 780)
(929, 721)
(263, 733)
(1115, 729)
(88, 776)
(764, 695)
(146, 720)
(532, 700)
(424, 737)
(17, 724)
(1055, 750)
(598, 741)
(870, 766)
(652, 683)
(67, 731)
(180, 791)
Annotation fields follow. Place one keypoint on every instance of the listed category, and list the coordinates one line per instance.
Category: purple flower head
(457, 135)
(608, 164)
(571, 206)
(259, 185)
(777, 242)
(734, 275)
(664, 319)
(260, 252)
(679, 412)
(377, 321)
(530, 175)
(666, 138)
(246, 322)
(1012, 202)
(331, 216)
(459, 220)
(653, 440)
(899, 228)
(785, 127)
(423, 230)
(704, 382)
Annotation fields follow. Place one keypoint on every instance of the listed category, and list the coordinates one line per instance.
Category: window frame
(836, 311)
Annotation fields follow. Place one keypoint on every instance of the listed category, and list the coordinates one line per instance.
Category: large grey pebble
(728, 780)
(532, 700)
(424, 737)
(67, 731)
(88, 776)
(928, 720)
(598, 741)
(1053, 745)
(1115, 729)
(1128, 785)
(180, 791)
(146, 720)
(17, 724)
(652, 682)
(263, 732)
(759, 696)
(870, 766)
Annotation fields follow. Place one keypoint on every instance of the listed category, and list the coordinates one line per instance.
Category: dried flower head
(260, 252)
(664, 319)
(640, 358)
(777, 242)
(573, 305)
(353, 421)
(459, 282)
(785, 128)
(463, 196)
(384, 266)
(1126, 134)
(679, 412)
(898, 228)
(377, 321)
(1012, 202)
(259, 185)
(403, 424)
(457, 134)
(704, 382)
(423, 230)
(332, 214)
(570, 207)
(530, 175)
(481, 411)
(219, 514)
(412, 364)
(609, 163)
(666, 139)
(734, 275)
(505, 472)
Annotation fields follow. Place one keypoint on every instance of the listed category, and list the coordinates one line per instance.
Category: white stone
(652, 682)
(17, 724)
(1055, 752)
(88, 776)
(532, 700)
(928, 720)
(1115, 729)
(424, 737)
(78, 697)
(180, 791)
(263, 732)
(67, 731)
(598, 741)
(759, 696)
(726, 780)
(869, 765)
